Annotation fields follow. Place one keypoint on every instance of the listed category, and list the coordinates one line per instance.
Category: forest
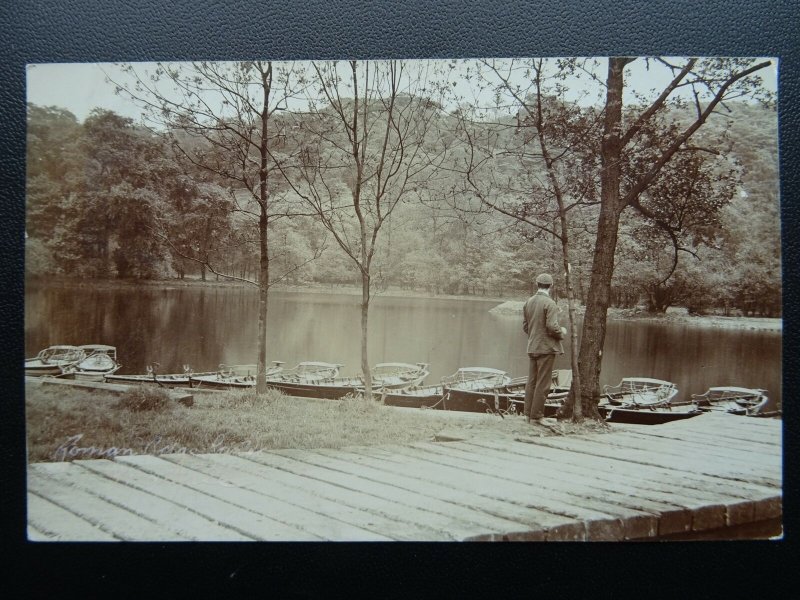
(97, 191)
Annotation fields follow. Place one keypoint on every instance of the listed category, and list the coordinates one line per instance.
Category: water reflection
(205, 327)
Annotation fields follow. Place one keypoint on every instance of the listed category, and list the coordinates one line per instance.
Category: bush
(143, 398)
(357, 404)
(246, 398)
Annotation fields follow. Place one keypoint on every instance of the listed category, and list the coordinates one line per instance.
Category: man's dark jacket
(540, 322)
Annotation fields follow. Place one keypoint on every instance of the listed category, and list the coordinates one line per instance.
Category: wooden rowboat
(509, 398)
(640, 392)
(153, 377)
(433, 396)
(644, 401)
(749, 402)
(308, 371)
(51, 360)
(385, 376)
(647, 416)
(100, 360)
(231, 377)
(398, 376)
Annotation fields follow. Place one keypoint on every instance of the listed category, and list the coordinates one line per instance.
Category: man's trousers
(540, 381)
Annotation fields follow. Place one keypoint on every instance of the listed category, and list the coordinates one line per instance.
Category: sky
(80, 87)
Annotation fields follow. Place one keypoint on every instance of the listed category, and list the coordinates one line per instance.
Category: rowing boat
(153, 377)
(231, 377)
(438, 396)
(749, 402)
(644, 401)
(100, 360)
(385, 376)
(307, 371)
(51, 360)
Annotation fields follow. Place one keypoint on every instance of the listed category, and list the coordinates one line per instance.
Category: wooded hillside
(101, 194)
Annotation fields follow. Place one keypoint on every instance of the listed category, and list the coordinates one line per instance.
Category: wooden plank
(599, 525)
(670, 514)
(328, 500)
(369, 495)
(751, 467)
(117, 521)
(693, 486)
(718, 440)
(713, 428)
(165, 480)
(36, 535)
(699, 506)
(462, 510)
(535, 522)
(392, 459)
(694, 450)
(725, 428)
(724, 421)
(170, 515)
(287, 507)
(609, 450)
(712, 438)
(293, 489)
(575, 496)
(50, 522)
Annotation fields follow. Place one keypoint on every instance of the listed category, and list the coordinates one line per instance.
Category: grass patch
(141, 398)
(72, 424)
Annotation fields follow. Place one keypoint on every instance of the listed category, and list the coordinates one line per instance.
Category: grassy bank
(65, 425)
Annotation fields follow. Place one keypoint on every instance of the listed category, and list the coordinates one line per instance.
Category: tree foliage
(105, 194)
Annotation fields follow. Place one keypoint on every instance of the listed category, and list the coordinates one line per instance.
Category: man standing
(540, 322)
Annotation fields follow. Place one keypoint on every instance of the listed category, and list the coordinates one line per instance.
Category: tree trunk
(263, 295)
(263, 230)
(574, 402)
(364, 331)
(594, 321)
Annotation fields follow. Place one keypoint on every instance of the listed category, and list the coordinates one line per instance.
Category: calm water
(206, 327)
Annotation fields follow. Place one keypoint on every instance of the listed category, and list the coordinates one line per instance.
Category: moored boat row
(479, 389)
(640, 400)
(310, 378)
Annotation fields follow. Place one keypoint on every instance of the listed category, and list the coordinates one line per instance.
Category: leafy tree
(546, 182)
(683, 211)
(712, 82)
(52, 165)
(368, 142)
(118, 198)
(222, 118)
(91, 188)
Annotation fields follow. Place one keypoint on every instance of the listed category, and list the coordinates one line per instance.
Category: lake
(204, 327)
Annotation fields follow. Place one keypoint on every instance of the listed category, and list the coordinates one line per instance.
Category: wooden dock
(710, 474)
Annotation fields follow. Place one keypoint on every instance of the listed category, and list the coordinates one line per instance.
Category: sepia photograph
(445, 300)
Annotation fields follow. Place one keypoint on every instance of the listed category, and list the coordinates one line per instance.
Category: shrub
(143, 398)
(357, 404)
(246, 398)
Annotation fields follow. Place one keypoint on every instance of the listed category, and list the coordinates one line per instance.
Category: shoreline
(673, 316)
(505, 306)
